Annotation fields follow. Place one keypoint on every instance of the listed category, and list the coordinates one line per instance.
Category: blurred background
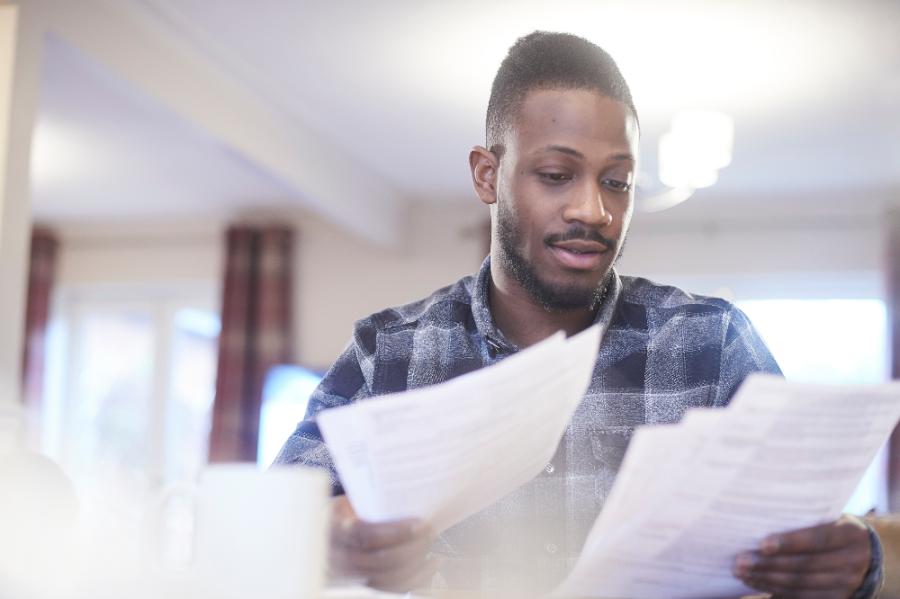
(200, 197)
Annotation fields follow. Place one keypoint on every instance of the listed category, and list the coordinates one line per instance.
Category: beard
(553, 297)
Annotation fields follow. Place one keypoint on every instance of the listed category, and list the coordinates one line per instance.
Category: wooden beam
(20, 43)
(153, 56)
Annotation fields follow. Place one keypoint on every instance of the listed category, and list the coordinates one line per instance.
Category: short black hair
(546, 60)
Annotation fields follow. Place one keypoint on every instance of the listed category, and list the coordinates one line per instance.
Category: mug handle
(157, 530)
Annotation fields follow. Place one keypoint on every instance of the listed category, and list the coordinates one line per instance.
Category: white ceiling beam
(19, 84)
(164, 65)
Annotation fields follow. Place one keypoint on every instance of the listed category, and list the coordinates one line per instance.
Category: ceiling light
(695, 148)
(691, 153)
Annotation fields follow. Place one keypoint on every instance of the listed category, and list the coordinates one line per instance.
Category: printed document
(445, 452)
(690, 497)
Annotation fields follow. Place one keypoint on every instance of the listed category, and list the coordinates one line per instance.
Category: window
(130, 385)
(830, 341)
(285, 396)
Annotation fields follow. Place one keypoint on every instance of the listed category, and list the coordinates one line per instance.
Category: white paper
(444, 452)
(783, 456)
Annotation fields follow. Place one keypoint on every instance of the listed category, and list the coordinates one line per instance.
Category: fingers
(801, 582)
(349, 531)
(753, 563)
(824, 537)
(370, 561)
(779, 582)
(414, 570)
(390, 555)
(818, 562)
(372, 536)
(409, 578)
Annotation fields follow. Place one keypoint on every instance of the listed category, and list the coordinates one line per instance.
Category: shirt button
(551, 548)
(549, 468)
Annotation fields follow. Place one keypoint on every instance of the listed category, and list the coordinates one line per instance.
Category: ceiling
(399, 88)
(103, 150)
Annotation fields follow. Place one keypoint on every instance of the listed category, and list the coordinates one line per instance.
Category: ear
(484, 166)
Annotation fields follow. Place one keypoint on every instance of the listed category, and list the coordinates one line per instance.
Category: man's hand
(828, 561)
(391, 556)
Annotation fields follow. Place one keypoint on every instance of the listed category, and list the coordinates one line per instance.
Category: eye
(555, 177)
(616, 185)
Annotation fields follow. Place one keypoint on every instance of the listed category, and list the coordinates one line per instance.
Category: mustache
(579, 232)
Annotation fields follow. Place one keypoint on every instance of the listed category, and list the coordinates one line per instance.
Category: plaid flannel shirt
(664, 351)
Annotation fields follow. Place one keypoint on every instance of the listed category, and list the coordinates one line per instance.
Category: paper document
(445, 452)
(690, 497)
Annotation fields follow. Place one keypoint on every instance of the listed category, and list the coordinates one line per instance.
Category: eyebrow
(577, 154)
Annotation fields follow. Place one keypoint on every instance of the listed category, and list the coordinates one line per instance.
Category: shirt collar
(484, 320)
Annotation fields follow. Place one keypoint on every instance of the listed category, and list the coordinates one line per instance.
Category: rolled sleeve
(344, 383)
(743, 352)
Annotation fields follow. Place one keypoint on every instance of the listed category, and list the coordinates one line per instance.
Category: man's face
(565, 195)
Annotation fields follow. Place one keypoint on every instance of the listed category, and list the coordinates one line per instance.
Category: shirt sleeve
(743, 353)
(344, 383)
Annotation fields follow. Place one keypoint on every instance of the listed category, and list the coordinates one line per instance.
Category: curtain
(256, 334)
(41, 269)
(892, 266)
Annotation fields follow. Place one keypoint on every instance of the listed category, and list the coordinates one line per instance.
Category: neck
(525, 322)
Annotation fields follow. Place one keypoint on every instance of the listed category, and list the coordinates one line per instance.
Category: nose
(586, 206)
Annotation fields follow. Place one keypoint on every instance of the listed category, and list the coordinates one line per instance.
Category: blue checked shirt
(664, 351)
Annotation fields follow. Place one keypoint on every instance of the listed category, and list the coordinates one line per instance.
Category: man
(558, 175)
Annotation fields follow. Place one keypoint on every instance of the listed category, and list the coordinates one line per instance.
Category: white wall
(339, 277)
(342, 279)
(155, 253)
(786, 258)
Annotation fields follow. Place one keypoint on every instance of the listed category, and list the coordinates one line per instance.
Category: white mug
(259, 533)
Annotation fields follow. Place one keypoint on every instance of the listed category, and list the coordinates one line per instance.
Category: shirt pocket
(608, 447)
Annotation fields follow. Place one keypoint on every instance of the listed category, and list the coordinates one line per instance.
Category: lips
(579, 254)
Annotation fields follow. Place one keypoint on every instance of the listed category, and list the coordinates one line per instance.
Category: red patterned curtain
(892, 264)
(37, 313)
(256, 334)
